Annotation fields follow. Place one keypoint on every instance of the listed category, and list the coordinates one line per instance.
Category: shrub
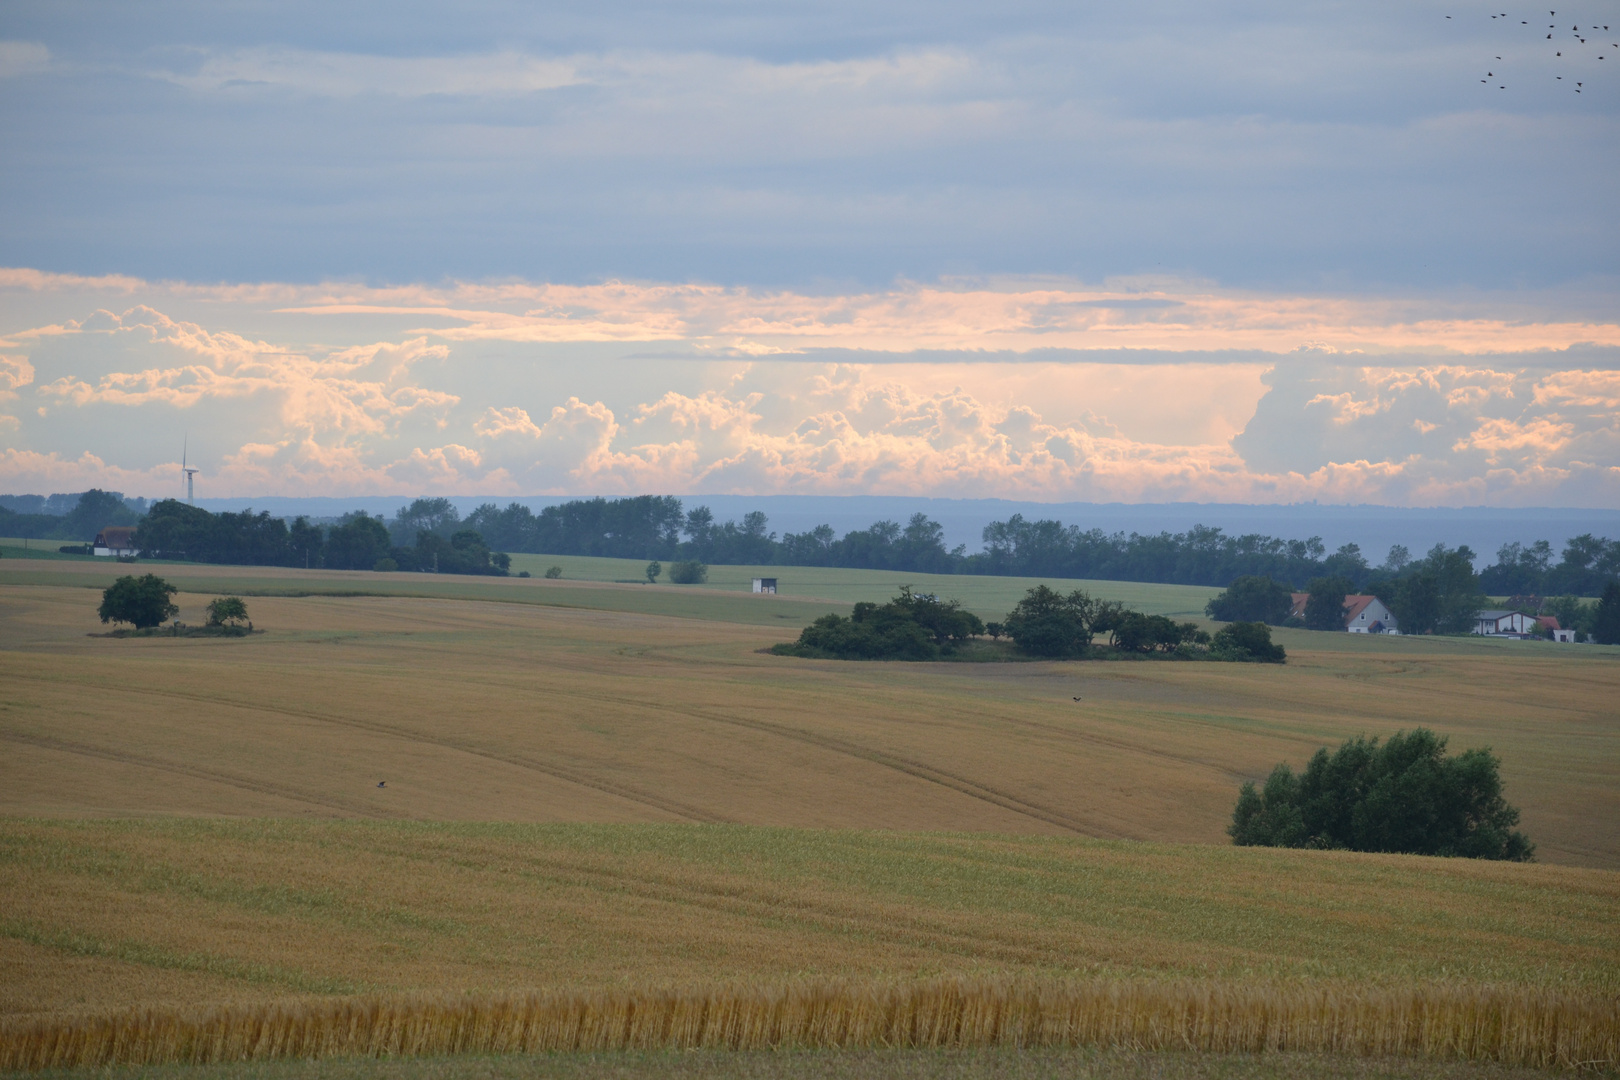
(688, 572)
(553, 572)
(142, 601)
(654, 568)
(386, 566)
(1406, 796)
(1247, 642)
(523, 573)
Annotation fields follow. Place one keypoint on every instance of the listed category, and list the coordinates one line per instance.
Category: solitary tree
(142, 601)
(654, 568)
(226, 609)
(1404, 796)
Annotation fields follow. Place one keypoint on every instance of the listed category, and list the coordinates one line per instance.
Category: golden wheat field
(494, 790)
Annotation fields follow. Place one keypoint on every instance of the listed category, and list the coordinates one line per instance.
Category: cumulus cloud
(503, 394)
(362, 389)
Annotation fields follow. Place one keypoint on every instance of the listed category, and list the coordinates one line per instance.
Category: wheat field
(470, 710)
(484, 799)
(1471, 1025)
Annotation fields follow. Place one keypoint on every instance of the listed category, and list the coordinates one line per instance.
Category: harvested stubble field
(617, 708)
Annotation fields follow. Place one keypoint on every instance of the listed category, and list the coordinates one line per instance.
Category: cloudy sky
(1148, 252)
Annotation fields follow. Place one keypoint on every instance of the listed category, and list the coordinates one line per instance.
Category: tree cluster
(912, 626)
(1045, 623)
(1406, 796)
(1049, 624)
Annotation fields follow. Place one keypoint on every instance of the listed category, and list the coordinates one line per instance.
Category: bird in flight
(1574, 31)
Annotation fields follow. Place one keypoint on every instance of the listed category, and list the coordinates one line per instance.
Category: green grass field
(826, 589)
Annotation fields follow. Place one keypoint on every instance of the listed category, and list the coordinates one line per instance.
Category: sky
(1251, 252)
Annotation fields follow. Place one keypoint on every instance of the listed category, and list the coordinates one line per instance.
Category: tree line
(660, 527)
(176, 530)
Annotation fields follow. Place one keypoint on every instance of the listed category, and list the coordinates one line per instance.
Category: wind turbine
(184, 446)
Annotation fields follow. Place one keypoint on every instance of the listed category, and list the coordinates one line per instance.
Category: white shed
(765, 585)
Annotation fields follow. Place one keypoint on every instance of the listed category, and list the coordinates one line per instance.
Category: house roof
(116, 536)
(1354, 605)
(1549, 622)
(1493, 615)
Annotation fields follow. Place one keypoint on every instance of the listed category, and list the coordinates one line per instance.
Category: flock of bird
(1579, 34)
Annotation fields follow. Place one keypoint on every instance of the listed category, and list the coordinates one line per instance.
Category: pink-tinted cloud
(491, 399)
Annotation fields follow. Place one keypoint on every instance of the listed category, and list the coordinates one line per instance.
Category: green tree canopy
(688, 572)
(909, 627)
(1247, 642)
(1047, 623)
(1325, 609)
(226, 609)
(1252, 599)
(142, 601)
(357, 544)
(1406, 796)
(1606, 621)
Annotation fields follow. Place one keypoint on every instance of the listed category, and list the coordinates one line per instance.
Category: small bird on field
(1077, 699)
(382, 783)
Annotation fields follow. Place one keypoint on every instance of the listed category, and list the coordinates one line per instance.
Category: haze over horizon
(1166, 253)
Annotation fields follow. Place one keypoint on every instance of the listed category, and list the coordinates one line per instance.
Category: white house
(765, 585)
(116, 541)
(1368, 615)
(1514, 624)
(1362, 614)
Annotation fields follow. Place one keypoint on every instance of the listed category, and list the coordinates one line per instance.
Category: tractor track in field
(746, 900)
(605, 787)
(123, 757)
(909, 766)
